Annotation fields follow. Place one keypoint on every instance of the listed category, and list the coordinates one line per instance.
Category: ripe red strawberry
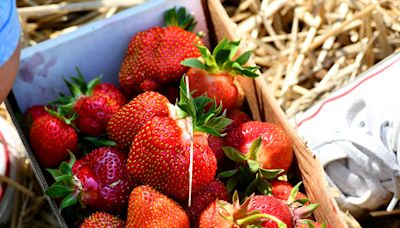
(160, 151)
(149, 208)
(211, 216)
(102, 219)
(222, 214)
(112, 91)
(153, 56)
(271, 206)
(282, 189)
(33, 113)
(124, 124)
(93, 110)
(98, 180)
(238, 117)
(200, 201)
(215, 74)
(275, 150)
(51, 138)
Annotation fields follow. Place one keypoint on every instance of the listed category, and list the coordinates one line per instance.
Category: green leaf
(270, 173)
(302, 201)
(221, 57)
(264, 187)
(228, 173)
(92, 84)
(252, 186)
(66, 178)
(58, 191)
(65, 168)
(293, 192)
(194, 63)
(234, 154)
(54, 172)
(231, 184)
(243, 58)
(72, 159)
(254, 148)
(70, 200)
(254, 166)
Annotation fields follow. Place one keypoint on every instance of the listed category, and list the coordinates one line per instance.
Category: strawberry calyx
(241, 215)
(78, 88)
(179, 18)
(249, 173)
(71, 187)
(208, 119)
(66, 185)
(63, 115)
(221, 60)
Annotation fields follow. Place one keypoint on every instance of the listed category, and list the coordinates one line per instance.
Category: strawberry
(93, 110)
(211, 216)
(160, 152)
(216, 74)
(262, 151)
(124, 124)
(51, 137)
(99, 180)
(281, 190)
(150, 208)
(200, 201)
(102, 219)
(271, 206)
(238, 117)
(153, 56)
(221, 214)
(33, 113)
(275, 150)
(112, 91)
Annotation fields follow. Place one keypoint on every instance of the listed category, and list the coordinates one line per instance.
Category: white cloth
(355, 134)
(10, 29)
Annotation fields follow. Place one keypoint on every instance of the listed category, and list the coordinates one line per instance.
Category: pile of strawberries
(172, 148)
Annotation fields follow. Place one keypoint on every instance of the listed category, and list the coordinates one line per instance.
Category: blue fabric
(9, 29)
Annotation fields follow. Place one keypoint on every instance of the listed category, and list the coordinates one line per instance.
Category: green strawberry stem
(180, 18)
(221, 60)
(213, 121)
(259, 216)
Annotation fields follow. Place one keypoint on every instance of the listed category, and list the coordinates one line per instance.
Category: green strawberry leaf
(55, 173)
(254, 166)
(221, 57)
(302, 201)
(231, 184)
(270, 173)
(252, 186)
(193, 63)
(264, 187)
(58, 191)
(234, 154)
(243, 58)
(101, 140)
(70, 200)
(65, 179)
(293, 192)
(254, 148)
(228, 173)
(65, 168)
